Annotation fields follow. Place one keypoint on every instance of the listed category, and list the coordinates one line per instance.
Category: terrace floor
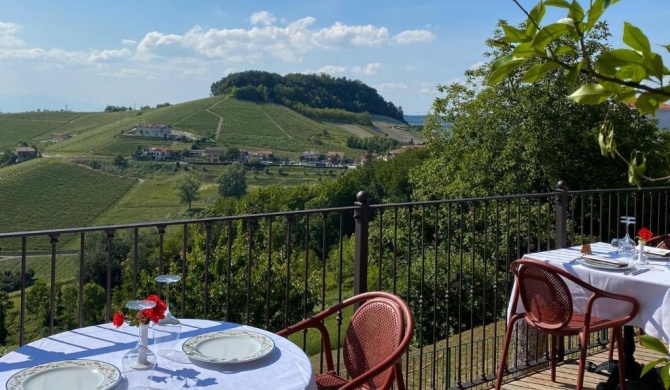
(566, 374)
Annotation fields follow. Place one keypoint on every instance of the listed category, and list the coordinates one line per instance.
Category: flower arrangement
(643, 235)
(143, 317)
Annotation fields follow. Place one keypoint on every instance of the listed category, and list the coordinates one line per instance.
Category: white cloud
(129, 42)
(331, 69)
(369, 69)
(108, 55)
(391, 86)
(476, 65)
(262, 17)
(412, 36)
(7, 38)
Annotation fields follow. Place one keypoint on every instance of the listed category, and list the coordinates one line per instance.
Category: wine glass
(168, 329)
(626, 244)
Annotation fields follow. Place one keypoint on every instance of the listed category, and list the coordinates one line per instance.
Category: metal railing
(448, 259)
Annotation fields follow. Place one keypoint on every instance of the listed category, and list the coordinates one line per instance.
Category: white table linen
(651, 289)
(287, 367)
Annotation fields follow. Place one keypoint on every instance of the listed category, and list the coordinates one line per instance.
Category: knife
(640, 271)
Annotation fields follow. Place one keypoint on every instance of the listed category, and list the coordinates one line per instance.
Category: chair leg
(583, 345)
(611, 351)
(553, 357)
(398, 376)
(503, 357)
(622, 362)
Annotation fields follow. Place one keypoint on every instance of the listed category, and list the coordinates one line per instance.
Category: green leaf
(538, 71)
(590, 94)
(626, 96)
(654, 344)
(557, 3)
(634, 73)
(514, 34)
(635, 38)
(576, 11)
(526, 49)
(608, 62)
(501, 67)
(535, 18)
(651, 365)
(551, 32)
(563, 49)
(572, 76)
(653, 63)
(665, 376)
(667, 47)
(647, 103)
(606, 138)
(594, 14)
(636, 170)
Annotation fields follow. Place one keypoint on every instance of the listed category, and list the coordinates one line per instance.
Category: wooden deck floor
(566, 374)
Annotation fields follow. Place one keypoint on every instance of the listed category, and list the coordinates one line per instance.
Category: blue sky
(88, 54)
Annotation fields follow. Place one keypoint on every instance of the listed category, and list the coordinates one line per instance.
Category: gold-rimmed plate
(228, 346)
(66, 374)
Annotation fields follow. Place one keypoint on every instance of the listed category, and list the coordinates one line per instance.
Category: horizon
(104, 55)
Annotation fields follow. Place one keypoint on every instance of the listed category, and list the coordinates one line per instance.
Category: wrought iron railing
(448, 259)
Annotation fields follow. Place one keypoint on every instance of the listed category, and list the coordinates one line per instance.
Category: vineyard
(19, 169)
(200, 123)
(16, 130)
(57, 195)
(178, 112)
(128, 145)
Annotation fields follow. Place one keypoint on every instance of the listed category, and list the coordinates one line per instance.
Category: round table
(286, 367)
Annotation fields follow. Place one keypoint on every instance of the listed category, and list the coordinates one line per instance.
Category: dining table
(651, 288)
(284, 367)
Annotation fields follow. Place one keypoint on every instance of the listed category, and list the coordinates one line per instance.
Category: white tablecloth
(651, 289)
(287, 367)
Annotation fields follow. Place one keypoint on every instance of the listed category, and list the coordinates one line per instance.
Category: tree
(6, 305)
(516, 137)
(233, 181)
(94, 304)
(187, 187)
(232, 154)
(120, 161)
(634, 75)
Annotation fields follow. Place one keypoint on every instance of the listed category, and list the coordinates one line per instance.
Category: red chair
(547, 301)
(662, 241)
(379, 333)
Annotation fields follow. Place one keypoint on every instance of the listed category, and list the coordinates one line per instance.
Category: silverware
(638, 271)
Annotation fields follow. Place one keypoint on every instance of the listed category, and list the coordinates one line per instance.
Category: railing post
(561, 215)
(362, 218)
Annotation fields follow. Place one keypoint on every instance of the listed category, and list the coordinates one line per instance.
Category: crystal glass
(168, 330)
(626, 244)
(140, 362)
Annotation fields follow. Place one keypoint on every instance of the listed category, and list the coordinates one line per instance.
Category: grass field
(67, 266)
(16, 130)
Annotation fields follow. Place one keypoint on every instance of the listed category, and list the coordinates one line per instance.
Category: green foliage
(318, 91)
(514, 137)
(375, 144)
(11, 281)
(6, 305)
(635, 75)
(14, 130)
(233, 182)
(657, 345)
(187, 187)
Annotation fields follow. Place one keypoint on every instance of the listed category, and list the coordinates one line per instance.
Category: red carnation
(645, 234)
(157, 312)
(118, 319)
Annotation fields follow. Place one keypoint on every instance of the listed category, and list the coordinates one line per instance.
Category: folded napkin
(604, 261)
(656, 251)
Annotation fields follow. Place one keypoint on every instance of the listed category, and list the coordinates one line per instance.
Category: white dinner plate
(606, 267)
(228, 346)
(66, 374)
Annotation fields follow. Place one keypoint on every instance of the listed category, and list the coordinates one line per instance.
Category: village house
(392, 153)
(152, 130)
(261, 155)
(24, 153)
(158, 153)
(195, 153)
(214, 154)
(335, 158)
(310, 156)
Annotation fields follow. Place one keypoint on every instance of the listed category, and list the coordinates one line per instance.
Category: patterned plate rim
(112, 373)
(190, 346)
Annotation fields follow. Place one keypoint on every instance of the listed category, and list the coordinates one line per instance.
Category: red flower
(118, 319)
(156, 313)
(645, 234)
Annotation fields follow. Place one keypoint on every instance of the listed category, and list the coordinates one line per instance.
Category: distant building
(196, 153)
(24, 153)
(261, 155)
(214, 154)
(335, 157)
(310, 156)
(392, 153)
(152, 130)
(158, 153)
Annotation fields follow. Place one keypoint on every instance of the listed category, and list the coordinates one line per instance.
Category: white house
(157, 152)
(152, 130)
(310, 156)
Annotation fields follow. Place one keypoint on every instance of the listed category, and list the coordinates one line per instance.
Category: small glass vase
(166, 335)
(640, 258)
(140, 362)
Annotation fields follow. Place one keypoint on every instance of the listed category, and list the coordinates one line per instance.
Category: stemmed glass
(626, 244)
(168, 330)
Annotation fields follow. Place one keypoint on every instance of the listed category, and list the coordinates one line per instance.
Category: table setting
(182, 354)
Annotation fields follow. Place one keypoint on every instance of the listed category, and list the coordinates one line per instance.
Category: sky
(83, 55)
